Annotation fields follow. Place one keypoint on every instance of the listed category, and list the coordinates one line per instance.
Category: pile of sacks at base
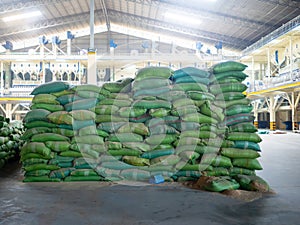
(10, 142)
(179, 125)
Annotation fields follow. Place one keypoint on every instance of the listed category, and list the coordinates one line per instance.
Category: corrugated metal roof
(236, 23)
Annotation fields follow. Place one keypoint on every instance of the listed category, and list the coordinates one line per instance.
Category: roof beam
(4, 33)
(210, 37)
(16, 5)
(284, 3)
(180, 6)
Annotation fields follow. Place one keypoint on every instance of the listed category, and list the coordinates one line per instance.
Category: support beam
(92, 64)
(272, 112)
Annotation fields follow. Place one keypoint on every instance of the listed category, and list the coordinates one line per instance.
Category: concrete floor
(113, 204)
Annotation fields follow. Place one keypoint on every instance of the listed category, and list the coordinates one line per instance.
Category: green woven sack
(83, 173)
(190, 87)
(161, 139)
(190, 71)
(227, 87)
(68, 98)
(150, 92)
(88, 139)
(136, 161)
(216, 172)
(81, 104)
(124, 152)
(114, 145)
(88, 130)
(238, 109)
(45, 98)
(61, 173)
(238, 170)
(116, 102)
(225, 76)
(49, 107)
(243, 127)
(236, 153)
(70, 153)
(64, 132)
(58, 146)
(61, 117)
(167, 160)
(221, 184)
(163, 129)
(153, 72)
(64, 92)
(148, 104)
(150, 83)
(240, 136)
(32, 131)
(90, 94)
(31, 161)
(36, 147)
(128, 112)
(137, 145)
(110, 118)
(39, 123)
(81, 147)
(110, 127)
(246, 145)
(199, 118)
(48, 137)
(40, 167)
(157, 153)
(238, 119)
(119, 86)
(83, 178)
(228, 66)
(159, 112)
(108, 109)
(252, 164)
(83, 115)
(192, 79)
(230, 96)
(51, 87)
(216, 160)
(36, 115)
(199, 95)
(37, 173)
(125, 137)
(34, 156)
(135, 174)
(138, 128)
(252, 183)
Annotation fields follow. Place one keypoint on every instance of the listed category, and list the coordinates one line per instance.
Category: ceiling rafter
(285, 3)
(213, 37)
(62, 21)
(178, 5)
(18, 5)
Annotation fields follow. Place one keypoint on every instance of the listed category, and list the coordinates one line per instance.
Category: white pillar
(272, 112)
(291, 56)
(92, 65)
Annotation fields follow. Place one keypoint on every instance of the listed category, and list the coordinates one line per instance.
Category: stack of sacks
(124, 139)
(10, 143)
(199, 136)
(242, 151)
(149, 87)
(58, 137)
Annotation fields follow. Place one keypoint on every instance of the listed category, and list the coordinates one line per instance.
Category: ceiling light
(184, 19)
(22, 16)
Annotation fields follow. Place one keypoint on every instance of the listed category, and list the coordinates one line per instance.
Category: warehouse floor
(141, 204)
